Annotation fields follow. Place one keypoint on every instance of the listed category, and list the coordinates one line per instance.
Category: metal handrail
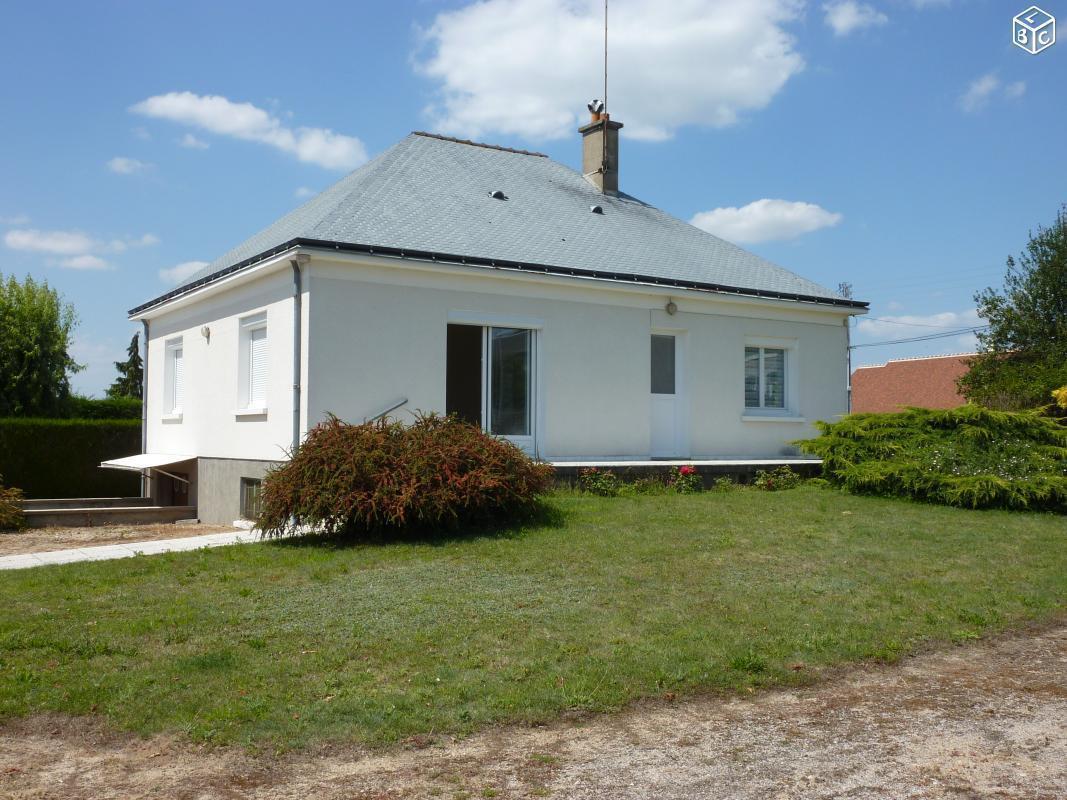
(382, 413)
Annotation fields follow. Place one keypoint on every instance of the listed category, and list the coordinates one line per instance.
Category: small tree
(131, 372)
(35, 338)
(1023, 355)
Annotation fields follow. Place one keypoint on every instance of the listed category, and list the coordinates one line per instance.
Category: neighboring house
(928, 382)
(538, 302)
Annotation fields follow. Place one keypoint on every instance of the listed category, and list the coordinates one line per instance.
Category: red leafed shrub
(435, 474)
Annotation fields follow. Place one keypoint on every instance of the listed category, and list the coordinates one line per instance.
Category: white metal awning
(144, 461)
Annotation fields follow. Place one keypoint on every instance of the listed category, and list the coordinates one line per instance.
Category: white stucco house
(537, 301)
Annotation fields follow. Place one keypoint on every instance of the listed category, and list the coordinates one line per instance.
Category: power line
(898, 322)
(927, 338)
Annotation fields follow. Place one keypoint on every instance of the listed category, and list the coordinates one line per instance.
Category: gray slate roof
(430, 193)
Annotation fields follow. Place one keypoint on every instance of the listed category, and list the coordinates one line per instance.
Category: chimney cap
(595, 106)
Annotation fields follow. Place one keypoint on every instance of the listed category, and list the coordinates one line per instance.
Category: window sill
(176, 417)
(771, 418)
(250, 412)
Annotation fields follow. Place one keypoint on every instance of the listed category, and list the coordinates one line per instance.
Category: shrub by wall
(61, 457)
(434, 475)
(969, 456)
(11, 517)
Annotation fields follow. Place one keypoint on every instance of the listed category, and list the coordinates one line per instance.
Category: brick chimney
(600, 150)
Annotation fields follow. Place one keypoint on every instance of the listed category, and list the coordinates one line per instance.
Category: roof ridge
(478, 144)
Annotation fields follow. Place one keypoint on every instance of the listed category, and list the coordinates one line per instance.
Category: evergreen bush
(969, 456)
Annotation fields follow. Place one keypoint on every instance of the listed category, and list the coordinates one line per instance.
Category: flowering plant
(685, 480)
(602, 482)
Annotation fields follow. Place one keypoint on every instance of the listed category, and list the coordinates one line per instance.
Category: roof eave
(496, 263)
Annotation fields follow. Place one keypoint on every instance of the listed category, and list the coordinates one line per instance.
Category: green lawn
(278, 645)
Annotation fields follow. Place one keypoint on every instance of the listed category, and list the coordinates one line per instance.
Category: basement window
(251, 498)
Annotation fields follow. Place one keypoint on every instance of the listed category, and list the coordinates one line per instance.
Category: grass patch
(612, 599)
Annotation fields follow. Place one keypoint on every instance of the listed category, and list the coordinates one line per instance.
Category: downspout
(146, 485)
(848, 349)
(298, 324)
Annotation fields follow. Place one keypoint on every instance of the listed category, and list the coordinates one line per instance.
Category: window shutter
(257, 368)
(179, 379)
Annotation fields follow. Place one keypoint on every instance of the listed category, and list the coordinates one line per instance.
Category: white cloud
(121, 245)
(58, 243)
(765, 220)
(127, 166)
(86, 261)
(528, 67)
(17, 219)
(303, 192)
(847, 16)
(191, 142)
(245, 121)
(983, 89)
(1013, 91)
(906, 325)
(79, 250)
(181, 272)
(978, 93)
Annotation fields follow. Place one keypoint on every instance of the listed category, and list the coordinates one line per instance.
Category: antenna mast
(605, 55)
(604, 117)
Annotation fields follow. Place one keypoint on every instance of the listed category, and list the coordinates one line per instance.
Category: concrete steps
(87, 502)
(89, 512)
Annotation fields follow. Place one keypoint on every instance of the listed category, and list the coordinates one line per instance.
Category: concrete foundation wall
(219, 489)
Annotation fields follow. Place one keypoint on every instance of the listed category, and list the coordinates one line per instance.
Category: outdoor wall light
(206, 333)
(672, 309)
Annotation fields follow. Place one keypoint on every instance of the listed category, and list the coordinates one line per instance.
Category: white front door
(666, 423)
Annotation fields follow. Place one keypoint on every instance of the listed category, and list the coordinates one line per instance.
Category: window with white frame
(252, 366)
(765, 378)
(174, 378)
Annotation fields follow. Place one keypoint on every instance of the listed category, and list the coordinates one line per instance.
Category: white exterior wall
(378, 333)
(210, 426)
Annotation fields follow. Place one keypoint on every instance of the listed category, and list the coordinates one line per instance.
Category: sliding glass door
(490, 380)
(510, 384)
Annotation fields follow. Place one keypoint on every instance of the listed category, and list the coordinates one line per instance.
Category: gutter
(146, 477)
(498, 264)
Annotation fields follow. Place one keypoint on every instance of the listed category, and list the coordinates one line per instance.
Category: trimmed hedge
(79, 407)
(61, 457)
(970, 457)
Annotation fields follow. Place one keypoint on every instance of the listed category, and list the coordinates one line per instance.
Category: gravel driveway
(38, 540)
(988, 720)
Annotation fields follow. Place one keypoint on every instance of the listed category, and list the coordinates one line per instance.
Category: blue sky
(905, 146)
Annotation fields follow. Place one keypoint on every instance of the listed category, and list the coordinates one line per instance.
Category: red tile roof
(925, 382)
